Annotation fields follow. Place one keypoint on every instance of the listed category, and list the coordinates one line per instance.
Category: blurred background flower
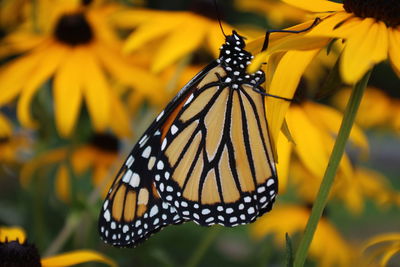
(80, 80)
(15, 250)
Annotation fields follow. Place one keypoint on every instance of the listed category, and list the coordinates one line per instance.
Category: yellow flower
(98, 157)
(16, 251)
(313, 128)
(79, 50)
(376, 109)
(328, 247)
(371, 30)
(389, 246)
(353, 191)
(180, 32)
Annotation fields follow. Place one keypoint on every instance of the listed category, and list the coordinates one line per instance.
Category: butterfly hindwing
(133, 209)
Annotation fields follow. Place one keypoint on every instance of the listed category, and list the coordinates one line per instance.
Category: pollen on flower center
(73, 29)
(384, 10)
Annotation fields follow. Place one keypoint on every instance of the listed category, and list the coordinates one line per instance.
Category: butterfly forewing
(216, 164)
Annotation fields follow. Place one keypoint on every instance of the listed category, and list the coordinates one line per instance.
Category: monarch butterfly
(206, 158)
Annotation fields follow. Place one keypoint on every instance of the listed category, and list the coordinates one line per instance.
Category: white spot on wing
(107, 215)
(160, 115)
(153, 211)
(146, 152)
(127, 176)
(174, 129)
(135, 180)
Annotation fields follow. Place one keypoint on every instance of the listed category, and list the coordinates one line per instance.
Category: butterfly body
(206, 158)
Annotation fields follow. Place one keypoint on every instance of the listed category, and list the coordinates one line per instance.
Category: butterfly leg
(267, 34)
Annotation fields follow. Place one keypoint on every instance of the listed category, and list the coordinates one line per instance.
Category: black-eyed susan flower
(382, 248)
(371, 30)
(313, 128)
(15, 250)
(97, 158)
(79, 51)
(178, 33)
(328, 248)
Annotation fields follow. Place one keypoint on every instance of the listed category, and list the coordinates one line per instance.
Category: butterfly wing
(133, 209)
(216, 163)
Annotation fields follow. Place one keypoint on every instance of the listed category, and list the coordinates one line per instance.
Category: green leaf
(289, 251)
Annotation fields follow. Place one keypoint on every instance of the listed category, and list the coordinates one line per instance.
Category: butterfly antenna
(219, 17)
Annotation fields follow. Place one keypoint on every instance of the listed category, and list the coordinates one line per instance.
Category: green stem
(330, 172)
(203, 246)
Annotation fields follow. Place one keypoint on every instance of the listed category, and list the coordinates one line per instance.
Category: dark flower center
(106, 142)
(73, 29)
(86, 2)
(387, 11)
(4, 140)
(14, 254)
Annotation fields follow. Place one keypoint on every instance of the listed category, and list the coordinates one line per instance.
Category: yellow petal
(254, 46)
(63, 184)
(47, 67)
(68, 94)
(141, 80)
(331, 119)
(258, 60)
(284, 83)
(157, 28)
(310, 146)
(5, 127)
(284, 148)
(315, 5)
(366, 47)
(11, 234)
(120, 123)
(387, 237)
(329, 25)
(181, 42)
(129, 18)
(389, 253)
(394, 49)
(96, 91)
(299, 42)
(13, 75)
(77, 257)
